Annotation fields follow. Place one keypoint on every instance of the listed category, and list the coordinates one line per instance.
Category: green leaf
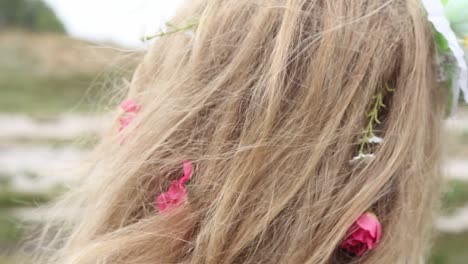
(442, 42)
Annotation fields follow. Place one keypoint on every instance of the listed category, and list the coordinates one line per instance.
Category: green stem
(165, 33)
(373, 118)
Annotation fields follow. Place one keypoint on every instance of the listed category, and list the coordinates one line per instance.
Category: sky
(119, 21)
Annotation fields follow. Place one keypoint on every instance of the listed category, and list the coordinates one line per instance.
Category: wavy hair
(268, 99)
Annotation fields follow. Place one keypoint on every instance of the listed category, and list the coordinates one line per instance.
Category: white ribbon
(436, 15)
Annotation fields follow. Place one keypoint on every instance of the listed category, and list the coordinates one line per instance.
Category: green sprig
(174, 30)
(373, 118)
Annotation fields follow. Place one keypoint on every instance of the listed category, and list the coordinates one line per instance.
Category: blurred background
(59, 58)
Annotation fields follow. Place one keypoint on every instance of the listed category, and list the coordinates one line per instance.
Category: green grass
(83, 142)
(49, 74)
(463, 138)
(12, 199)
(5, 180)
(11, 235)
(450, 249)
(10, 260)
(41, 94)
(455, 196)
(10, 229)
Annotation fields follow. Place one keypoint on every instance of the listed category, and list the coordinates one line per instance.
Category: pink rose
(363, 235)
(177, 192)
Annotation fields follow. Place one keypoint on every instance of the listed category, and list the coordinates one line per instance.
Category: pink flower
(363, 235)
(130, 106)
(126, 120)
(131, 109)
(177, 192)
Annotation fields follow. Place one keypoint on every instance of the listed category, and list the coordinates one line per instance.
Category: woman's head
(268, 99)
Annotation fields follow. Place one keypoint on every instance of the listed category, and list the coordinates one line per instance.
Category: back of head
(269, 100)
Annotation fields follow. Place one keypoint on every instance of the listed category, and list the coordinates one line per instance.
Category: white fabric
(436, 15)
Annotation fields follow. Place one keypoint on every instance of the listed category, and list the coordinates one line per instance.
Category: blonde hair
(268, 99)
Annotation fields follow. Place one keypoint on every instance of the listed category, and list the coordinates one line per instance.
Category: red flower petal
(176, 193)
(363, 235)
(188, 168)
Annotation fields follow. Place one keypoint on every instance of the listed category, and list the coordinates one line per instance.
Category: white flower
(375, 140)
(363, 156)
(189, 33)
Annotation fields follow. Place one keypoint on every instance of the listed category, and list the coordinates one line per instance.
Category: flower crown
(450, 21)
